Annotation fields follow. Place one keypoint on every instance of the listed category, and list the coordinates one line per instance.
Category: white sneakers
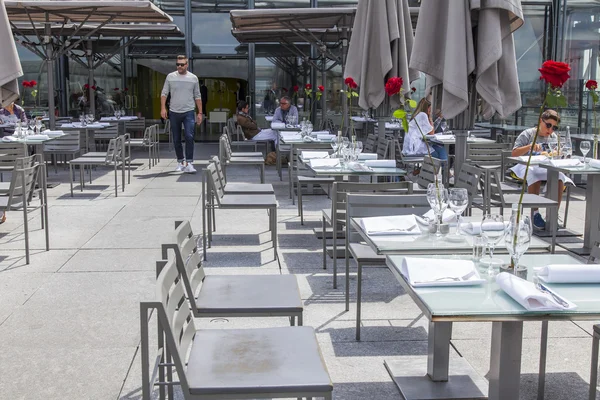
(189, 168)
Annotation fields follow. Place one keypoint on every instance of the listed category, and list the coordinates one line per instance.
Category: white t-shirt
(414, 145)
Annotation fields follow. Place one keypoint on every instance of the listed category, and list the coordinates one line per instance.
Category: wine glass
(458, 199)
(492, 228)
(309, 128)
(437, 197)
(334, 144)
(82, 120)
(585, 147)
(553, 145)
(517, 239)
(358, 148)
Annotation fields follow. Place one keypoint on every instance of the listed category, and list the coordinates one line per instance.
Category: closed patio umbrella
(10, 66)
(457, 38)
(380, 47)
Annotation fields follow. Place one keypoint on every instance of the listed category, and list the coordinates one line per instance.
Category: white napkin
(594, 163)
(367, 156)
(108, 119)
(474, 228)
(570, 273)
(324, 162)
(441, 136)
(53, 133)
(448, 216)
(277, 125)
(103, 123)
(324, 136)
(390, 225)
(568, 162)
(526, 294)
(309, 155)
(315, 133)
(381, 163)
(37, 137)
(10, 139)
(533, 158)
(430, 272)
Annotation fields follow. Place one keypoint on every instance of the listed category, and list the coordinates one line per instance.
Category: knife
(543, 288)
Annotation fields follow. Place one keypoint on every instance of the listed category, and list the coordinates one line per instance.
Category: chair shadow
(559, 386)
(242, 259)
(238, 239)
(77, 195)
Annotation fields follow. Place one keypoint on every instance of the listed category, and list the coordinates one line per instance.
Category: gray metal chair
(149, 141)
(20, 195)
(9, 152)
(228, 160)
(368, 205)
(231, 295)
(239, 187)
(230, 144)
(469, 178)
(594, 368)
(113, 158)
(213, 190)
(278, 362)
(104, 135)
(68, 146)
(231, 130)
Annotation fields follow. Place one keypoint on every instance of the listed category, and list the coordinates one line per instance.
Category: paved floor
(69, 321)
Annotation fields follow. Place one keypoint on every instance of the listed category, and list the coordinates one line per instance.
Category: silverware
(556, 298)
(450, 278)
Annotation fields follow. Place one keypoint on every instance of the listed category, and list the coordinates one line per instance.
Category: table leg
(438, 350)
(551, 193)
(592, 217)
(290, 167)
(505, 361)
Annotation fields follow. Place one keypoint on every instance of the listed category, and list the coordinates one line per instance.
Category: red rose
(350, 83)
(414, 89)
(393, 86)
(33, 83)
(295, 88)
(308, 86)
(555, 73)
(86, 86)
(321, 88)
(26, 84)
(116, 89)
(94, 87)
(126, 89)
(591, 84)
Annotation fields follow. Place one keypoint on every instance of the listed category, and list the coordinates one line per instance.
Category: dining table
(505, 131)
(442, 373)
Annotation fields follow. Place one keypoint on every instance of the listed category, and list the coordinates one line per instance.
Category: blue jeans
(439, 151)
(188, 119)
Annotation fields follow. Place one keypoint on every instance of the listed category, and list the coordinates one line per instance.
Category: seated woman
(249, 127)
(17, 111)
(548, 125)
(414, 144)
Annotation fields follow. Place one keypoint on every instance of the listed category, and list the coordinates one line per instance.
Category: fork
(544, 289)
(450, 278)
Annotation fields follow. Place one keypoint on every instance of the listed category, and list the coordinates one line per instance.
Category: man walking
(185, 97)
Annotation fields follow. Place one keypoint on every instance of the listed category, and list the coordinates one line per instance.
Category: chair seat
(4, 187)
(248, 202)
(246, 160)
(137, 143)
(248, 294)
(364, 254)
(327, 216)
(247, 154)
(314, 179)
(510, 189)
(530, 200)
(88, 160)
(95, 154)
(256, 361)
(248, 188)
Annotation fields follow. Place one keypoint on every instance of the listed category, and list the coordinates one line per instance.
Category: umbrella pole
(50, 72)
(90, 60)
(324, 95)
(344, 54)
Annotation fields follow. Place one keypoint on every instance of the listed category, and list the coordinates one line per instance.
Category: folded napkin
(432, 272)
(474, 228)
(291, 136)
(570, 273)
(324, 163)
(381, 163)
(533, 158)
(315, 133)
(325, 136)
(390, 225)
(442, 136)
(448, 216)
(567, 162)
(595, 163)
(367, 156)
(108, 119)
(37, 137)
(10, 139)
(309, 155)
(389, 125)
(526, 294)
(53, 133)
(103, 123)
(277, 125)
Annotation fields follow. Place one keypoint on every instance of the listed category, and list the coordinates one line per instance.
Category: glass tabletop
(488, 302)
(359, 169)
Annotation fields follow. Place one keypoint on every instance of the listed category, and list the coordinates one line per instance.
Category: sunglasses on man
(550, 126)
(181, 64)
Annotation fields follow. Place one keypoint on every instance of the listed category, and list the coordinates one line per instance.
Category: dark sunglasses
(181, 65)
(550, 126)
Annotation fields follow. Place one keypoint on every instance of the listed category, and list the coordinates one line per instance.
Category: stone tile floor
(69, 321)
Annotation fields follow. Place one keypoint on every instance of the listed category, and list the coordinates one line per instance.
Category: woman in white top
(414, 145)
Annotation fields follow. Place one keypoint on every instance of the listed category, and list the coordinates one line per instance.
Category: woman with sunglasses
(549, 124)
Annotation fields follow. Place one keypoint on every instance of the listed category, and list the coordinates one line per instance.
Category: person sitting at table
(421, 124)
(249, 127)
(285, 108)
(548, 126)
(17, 111)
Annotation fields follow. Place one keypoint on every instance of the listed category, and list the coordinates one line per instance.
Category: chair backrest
(224, 148)
(496, 194)
(220, 175)
(148, 133)
(111, 131)
(231, 126)
(70, 142)
(213, 182)
(238, 134)
(22, 182)
(429, 171)
(370, 143)
(383, 148)
(468, 178)
(340, 190)
(167, 129)
(9, 152)
(114, 152)
(485, 154)
(378, 205)
(328, 125)
(137, 125)
(595, 253)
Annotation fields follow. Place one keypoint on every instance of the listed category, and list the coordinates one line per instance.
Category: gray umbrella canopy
(380, 48)
(10, 66)
(457, 38)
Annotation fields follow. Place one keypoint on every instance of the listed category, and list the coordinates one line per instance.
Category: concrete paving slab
(16, 289)
(111, 260)
(40, 260)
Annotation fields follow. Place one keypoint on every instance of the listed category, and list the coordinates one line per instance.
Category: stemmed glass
(309, 128)
(585, 147)
(458, 199)
(437, 196)
(492, 228)
(334, 145)
(553, 145)
(82, 120)
(517, 239)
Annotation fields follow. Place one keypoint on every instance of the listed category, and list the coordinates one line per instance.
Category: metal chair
(114, 158)
(9, 152)
(68, 145)
(149, 141)
(278, 362)
(110, 132)
(239, 187)
(469, 178)
(19, 197)
(230, 145)
(213, 190)
(368, 205)
(228, 159)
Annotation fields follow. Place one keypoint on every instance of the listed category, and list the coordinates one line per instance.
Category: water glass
(458, 200)
(493, 229)
(479, 246)
(517, 240)
(585, 147)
